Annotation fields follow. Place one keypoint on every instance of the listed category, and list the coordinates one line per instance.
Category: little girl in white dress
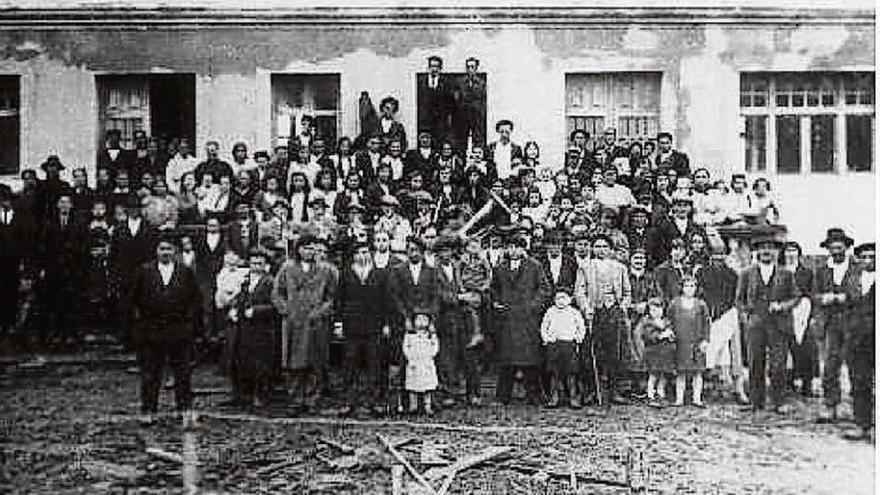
(420, 347)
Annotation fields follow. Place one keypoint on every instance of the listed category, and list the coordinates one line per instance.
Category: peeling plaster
(207, 52)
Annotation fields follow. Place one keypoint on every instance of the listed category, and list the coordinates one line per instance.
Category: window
(808, 122)
(629, 101)
(298, 95)
(9, 124)
(161, 105)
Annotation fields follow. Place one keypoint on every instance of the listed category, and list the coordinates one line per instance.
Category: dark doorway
(173, 106)
(161, 105)
(454, 110)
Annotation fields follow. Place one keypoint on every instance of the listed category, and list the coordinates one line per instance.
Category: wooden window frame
(840, 110)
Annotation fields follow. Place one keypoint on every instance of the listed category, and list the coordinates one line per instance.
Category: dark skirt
(253, 349)
(660, 357)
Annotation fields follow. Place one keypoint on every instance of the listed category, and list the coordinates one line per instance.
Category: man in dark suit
(765, 296)
(413, 285)
(65, 255)
(502, 152)
(367, 161)
(213, 165)
(836, 286)
(51, 188)
(470, 97)
(113, 157)
(130, 246)
(364, 311)
(164, 303)
(862, 337)
(561, 270)
(390, 128)
(422, 157)
(11, 244)
(210, 246)
(658, 238)
(436, 100)
(670, 158)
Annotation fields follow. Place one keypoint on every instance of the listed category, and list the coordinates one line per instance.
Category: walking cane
(596, 380)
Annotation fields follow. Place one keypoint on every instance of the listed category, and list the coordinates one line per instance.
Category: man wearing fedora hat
(765, 296)
(836, 285)
(861, 342)
(51, 187)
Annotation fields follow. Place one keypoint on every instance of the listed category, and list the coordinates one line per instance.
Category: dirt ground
(72, 429)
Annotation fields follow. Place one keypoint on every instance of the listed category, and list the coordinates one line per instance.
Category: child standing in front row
(689, 316)
(659, 340)
(562, 332)
(420, 347)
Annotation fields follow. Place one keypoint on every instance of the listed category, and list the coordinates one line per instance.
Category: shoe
(678, 404)
(699, 405)
(858, 434)
(827, 416)
(655, 403)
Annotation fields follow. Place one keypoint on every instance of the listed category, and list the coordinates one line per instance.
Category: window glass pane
(858, 142)
(822, 143)
(788, 144)
(756, 143)
(9, 124)
(782, 100)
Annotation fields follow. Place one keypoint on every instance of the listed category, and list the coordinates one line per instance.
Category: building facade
(786, 94)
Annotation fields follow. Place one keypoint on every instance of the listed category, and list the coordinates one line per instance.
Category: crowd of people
(593, 281)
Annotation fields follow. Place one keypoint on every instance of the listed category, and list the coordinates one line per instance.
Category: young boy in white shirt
(562, 332)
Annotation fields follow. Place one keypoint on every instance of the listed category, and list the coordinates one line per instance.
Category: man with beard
(519, 289)
(363, 308)
(836, 286)
(164, 301)
(765, 296)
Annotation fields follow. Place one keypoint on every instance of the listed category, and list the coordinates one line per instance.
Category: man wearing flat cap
(835, 287)
(164, 305)
(861, 343)
(765, 297)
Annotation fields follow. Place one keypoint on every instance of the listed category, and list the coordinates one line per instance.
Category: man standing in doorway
(470, 97)
(436, 101)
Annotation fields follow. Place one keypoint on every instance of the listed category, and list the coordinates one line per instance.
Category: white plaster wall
(59, 110)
